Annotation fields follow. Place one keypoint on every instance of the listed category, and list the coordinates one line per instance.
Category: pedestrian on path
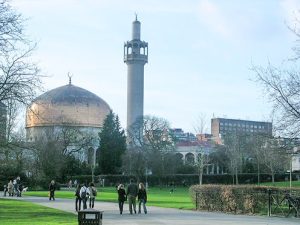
(84, 194)
(10, 188)
(142, 197)
(93, 194)
(132, 191)
(52, 190)
(121, 197)
(78, 199)
(5, 190)
(70, 184)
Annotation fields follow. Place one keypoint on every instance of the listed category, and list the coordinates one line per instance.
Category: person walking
(52, 190)
(70, 184)
(5, 190)
(78, 199)
(84, 194)
(142, 197)
(15, 191)
(121, 197)
(18, 183)
(10, 188)
(132, 191)
(93, 194)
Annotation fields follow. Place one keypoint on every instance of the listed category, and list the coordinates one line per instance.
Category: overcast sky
(200, 52)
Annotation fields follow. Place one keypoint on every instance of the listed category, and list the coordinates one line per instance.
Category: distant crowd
(14, 188)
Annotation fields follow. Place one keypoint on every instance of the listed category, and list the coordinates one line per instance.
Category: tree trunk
(236, 176)
(273, 177)
(200, 176)
(258, 174)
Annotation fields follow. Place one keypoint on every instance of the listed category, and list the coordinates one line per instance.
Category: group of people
(14, 188)
(86, 192)
(133, 191)
(83, 193)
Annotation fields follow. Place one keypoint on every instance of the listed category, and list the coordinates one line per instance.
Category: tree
(274, 157)
(56, 151)
(282, 87)
(19, 77)
(112, 145)
(19, 80)
(202, 157)
(235, 145)
(256, 151)
(151, 137)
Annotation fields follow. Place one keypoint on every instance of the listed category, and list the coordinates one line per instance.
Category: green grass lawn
(161, 197)
(14, 212)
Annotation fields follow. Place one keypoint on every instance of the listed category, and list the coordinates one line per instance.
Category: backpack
(94, 191)
(83, 194)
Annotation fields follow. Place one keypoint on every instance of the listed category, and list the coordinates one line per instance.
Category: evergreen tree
(112, 145)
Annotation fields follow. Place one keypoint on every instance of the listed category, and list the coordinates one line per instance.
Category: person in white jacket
(84, 194)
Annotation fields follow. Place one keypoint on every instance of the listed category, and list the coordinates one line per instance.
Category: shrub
(245, 199)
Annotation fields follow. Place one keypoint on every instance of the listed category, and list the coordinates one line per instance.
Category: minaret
(135, 56)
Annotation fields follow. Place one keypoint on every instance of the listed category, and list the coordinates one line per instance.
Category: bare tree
(151, 137)
(282, 87)
(256, 150)
(19, 76)
(235, 146)
(201, 124)
(203, 159)
(51, 149)
(274, 156)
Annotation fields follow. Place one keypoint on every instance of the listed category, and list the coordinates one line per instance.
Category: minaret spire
(135, 56)
(70, 78)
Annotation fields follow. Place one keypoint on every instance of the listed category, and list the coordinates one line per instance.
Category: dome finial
(70, 78)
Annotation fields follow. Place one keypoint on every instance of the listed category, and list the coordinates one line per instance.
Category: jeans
(78, 203)
(121, 204)
(51, 195)
(132, 203)
(84, 200)
(92, 200)
(142, 201)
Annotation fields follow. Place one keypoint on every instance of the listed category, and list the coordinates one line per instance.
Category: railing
(283, 203)
(138, 57)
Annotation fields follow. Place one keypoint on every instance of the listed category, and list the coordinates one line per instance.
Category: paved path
(163, 216)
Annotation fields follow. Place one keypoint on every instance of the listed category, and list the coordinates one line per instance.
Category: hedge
(240, 199)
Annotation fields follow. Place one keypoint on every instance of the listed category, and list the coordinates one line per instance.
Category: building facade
(221, 126)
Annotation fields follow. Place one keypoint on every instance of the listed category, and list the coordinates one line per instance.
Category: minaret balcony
(136, 57)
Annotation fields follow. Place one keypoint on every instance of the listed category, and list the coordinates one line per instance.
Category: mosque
(72, 107)
(66, 107)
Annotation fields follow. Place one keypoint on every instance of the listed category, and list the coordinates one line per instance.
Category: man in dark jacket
(52, 190)
(132, 191)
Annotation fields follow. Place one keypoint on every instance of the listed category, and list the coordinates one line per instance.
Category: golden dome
(68, 105)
